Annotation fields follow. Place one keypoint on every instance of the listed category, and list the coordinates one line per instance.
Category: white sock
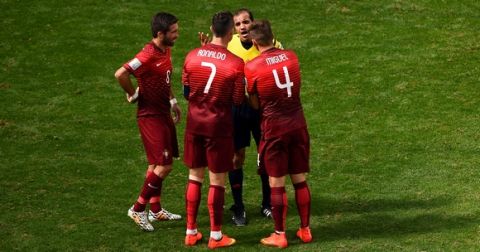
(192, 231)
(217, 235)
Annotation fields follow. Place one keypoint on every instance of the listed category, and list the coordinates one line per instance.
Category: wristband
(173, 101)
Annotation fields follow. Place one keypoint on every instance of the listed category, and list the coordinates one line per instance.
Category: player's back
(275, 77)
(215, 78)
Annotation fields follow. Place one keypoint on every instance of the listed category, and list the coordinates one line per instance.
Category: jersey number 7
(212, 75)
(288, 84)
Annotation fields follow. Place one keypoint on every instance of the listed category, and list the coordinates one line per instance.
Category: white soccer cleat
(140, 218)
(163, 215)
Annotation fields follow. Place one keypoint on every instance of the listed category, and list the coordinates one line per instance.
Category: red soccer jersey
(216, 80)
(152, 68)
(275, 76)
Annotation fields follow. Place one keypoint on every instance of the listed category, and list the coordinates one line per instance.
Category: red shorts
(285, 154)
(216, 153)
(159, 138)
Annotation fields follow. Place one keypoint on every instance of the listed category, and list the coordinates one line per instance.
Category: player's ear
(211, 29)
(160, 35)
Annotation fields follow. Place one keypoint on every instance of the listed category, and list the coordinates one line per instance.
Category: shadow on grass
(321, 206)
(355, 218)
(383, 225)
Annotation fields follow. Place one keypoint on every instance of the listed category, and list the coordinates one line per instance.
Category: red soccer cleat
(191, 240)
(304, 234)
(224, 242)
(275, 240)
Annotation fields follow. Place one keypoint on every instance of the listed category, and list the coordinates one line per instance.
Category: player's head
(222, 24)
(243, 18)
(261, 33)
(165, 27)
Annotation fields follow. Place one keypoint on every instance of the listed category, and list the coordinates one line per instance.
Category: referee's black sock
(265, 191)
(236, 182)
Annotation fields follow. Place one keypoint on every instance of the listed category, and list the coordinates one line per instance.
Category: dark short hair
(237, 12)
(222, 23)
(161, 22)
(261, 31)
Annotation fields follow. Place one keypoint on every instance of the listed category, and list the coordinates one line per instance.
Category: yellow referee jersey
(235, 46)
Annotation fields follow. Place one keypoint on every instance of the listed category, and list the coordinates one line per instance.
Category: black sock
(265, 191)
(236, 183)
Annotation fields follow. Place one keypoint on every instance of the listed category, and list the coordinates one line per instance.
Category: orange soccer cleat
(192, 239)
(304, 234)
(275, 240)
(224, 242)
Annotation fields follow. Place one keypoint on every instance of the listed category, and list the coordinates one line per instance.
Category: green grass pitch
(391, 92)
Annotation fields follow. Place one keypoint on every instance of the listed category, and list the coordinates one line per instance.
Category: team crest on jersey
(135, 64)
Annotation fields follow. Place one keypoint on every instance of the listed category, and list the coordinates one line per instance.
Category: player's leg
(303, 201)
(194, 158)
(274, 155)
(299, 151)
(216, 199)
(235, 177)
(265, 209)
(219, 155)
(279, 213)
(151, 131)
(155, 199)
(157, 212)
(192, 202)
(241, 134)
(157, 138)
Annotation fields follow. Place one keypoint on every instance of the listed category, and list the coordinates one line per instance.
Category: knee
(162, 171)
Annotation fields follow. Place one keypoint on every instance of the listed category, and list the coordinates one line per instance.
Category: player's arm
(123, 77)
(186, 86)
(177, 112)
(239, 86)
(251, 89)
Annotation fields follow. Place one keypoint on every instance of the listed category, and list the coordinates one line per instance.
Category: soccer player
(273, 83)
(246, 121)
(152, 68)
(213, 80)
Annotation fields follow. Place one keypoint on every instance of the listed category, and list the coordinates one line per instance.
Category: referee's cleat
(239, 217)
(266, 212)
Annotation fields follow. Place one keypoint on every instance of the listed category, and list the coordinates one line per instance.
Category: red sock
(216, 198)
(192, 201)
(302, 198)
(279, 207)
(155, 205)
(152, 184)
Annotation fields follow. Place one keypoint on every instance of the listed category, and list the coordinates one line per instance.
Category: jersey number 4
(212, 75)
(288, 84)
